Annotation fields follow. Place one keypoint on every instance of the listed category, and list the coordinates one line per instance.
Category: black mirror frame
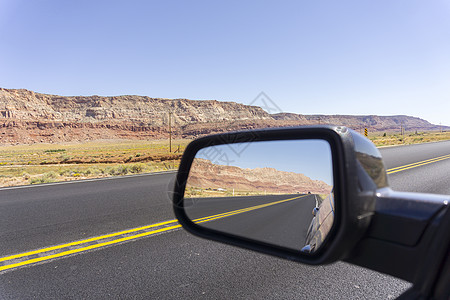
(352, 217)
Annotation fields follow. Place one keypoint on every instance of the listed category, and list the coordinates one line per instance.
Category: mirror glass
(277, 192)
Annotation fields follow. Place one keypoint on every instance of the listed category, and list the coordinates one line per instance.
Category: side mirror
(256, 190)
(265, 193)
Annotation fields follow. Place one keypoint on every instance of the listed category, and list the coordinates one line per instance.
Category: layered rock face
(29, 117)
(206, 175)
(28, 105)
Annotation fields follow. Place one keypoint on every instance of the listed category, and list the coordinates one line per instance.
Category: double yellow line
(417, 164)
(118, 238)
(85, 248)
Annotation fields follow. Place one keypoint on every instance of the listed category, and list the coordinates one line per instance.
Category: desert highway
(117, 238)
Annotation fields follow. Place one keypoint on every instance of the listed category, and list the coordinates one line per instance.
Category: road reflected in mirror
(276, 192)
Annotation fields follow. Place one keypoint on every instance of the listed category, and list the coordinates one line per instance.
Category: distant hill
(373, 122)
(29, 117)
(206, 175)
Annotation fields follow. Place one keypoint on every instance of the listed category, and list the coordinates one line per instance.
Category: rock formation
(29, 117)
(206, 175)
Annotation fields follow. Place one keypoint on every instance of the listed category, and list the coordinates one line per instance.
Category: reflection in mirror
(277, 192)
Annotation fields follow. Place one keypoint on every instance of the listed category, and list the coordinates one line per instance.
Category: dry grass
(390, 139)
(41, 163)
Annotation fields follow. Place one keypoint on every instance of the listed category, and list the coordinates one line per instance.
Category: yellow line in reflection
(235, 212)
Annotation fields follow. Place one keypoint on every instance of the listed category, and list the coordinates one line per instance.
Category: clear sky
(384, 57)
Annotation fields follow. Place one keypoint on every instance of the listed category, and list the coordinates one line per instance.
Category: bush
(51, 175)
(65, 172)
(136, 168)
(45, 178)
(54, 150)
(117, 170)
(65, 158)
(92, 171)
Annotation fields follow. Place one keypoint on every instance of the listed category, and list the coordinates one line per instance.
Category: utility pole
(170, 131)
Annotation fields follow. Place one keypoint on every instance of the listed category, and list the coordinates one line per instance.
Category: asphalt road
(50, 214)
(428, 178)
(174, 264)
(283, 220)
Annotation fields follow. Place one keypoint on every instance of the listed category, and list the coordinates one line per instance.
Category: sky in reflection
(309, 157)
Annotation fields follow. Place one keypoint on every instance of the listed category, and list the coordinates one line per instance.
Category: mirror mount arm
(398, 237)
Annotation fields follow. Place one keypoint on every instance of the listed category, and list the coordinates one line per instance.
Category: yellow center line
(123, 239)
(428, 160)
(417, 164)
(69, 252)
(84, 241)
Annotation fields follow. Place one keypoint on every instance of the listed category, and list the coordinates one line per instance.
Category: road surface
(282, 220)
(168, 262)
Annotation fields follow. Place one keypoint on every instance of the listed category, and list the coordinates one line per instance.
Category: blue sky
(312, 57)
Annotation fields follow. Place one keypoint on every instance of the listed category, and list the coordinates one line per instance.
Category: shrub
(136, 168)
(50, 175)
(54, 150)
(64, 158)
(117, 170)
(92, 171)
(65, 172)
(45, 178)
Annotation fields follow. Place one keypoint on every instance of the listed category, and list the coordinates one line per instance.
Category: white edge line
(83, 180)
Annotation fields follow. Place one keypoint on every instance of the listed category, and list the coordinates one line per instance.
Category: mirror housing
(358, 171)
